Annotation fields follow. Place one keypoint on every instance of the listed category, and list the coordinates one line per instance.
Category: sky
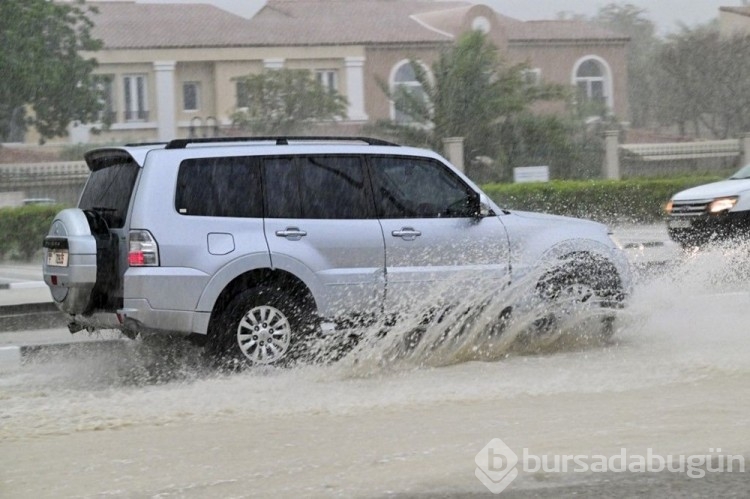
(667, 14)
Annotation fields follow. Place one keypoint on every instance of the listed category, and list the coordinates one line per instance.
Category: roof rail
(140, 144)
(281, 140)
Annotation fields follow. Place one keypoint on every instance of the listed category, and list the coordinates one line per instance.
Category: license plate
(57, 258)
(679, 224)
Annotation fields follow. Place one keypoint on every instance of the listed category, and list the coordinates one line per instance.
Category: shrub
(610, 201)
(22, 230)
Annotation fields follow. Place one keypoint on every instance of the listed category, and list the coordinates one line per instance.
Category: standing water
(397, 416)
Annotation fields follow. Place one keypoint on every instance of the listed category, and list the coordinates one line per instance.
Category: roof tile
(130, 25)
(560, 31)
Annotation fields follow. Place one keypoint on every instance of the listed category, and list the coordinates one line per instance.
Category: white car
(248, 245)
(711, 212)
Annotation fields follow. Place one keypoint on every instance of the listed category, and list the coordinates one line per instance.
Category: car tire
(262, 326)
(571, 289)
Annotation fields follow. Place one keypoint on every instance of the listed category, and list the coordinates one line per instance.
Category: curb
(31, 316)
(23, 285)
(14, 356)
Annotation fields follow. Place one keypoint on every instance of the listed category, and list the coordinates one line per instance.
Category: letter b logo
(496, 466)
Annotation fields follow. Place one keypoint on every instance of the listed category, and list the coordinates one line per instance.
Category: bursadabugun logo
(496, 466)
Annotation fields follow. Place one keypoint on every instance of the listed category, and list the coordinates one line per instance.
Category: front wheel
(262, 326)
(585, 295)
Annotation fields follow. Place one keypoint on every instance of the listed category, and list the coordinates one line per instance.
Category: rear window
(108, 191)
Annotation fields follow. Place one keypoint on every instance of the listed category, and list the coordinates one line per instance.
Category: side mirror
(484, 208)
(480, 206)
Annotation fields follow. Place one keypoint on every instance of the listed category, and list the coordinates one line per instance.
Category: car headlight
(668, 207)
(722, 204)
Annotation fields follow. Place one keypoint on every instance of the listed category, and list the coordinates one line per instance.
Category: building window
(593, 82)
(482, 24)
(136, 99)
(328, 79)
(191, 96)
(404, 86)
(243, 94)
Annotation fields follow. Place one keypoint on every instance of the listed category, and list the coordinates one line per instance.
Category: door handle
(291, 233)
(406, 233)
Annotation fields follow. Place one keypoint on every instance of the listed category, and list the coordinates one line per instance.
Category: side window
(407, 187)
(334, 187)
(219, 187)
(281, 188)
(316, 187)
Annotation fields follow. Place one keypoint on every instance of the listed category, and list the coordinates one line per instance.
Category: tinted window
(108, 192)
(419, 188)
(320, 187)
(219, 187)
(282, 188)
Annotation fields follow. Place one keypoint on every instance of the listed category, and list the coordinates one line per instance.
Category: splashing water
(683, 323)
(483, 325)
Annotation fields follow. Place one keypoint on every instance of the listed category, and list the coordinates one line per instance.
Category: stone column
(611, 167)
(165, 100)
(355, 88)
(745, 149)
(454, 151)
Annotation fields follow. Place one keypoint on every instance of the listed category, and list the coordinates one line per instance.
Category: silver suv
(253, 245)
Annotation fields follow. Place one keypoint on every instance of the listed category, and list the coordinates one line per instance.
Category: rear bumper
(163, 299)
(138, 315)
(144, 320)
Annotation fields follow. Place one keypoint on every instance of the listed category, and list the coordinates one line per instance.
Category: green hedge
(627, 201)
(23, 229)
(610, 201)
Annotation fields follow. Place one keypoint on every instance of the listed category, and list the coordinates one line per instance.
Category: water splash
(475, 321)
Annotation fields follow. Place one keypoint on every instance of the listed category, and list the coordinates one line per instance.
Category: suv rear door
(320, 220)
(434, 238)
(89, 278)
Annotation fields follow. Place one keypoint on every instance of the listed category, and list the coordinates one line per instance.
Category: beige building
(170, 70)
(734, 20)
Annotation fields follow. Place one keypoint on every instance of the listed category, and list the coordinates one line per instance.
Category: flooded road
(128, 422)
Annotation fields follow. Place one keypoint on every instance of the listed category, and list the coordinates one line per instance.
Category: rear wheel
(262, 326)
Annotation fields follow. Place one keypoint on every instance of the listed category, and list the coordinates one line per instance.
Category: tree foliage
(42, 67)
(706, 82)
(571, 149)
(284, 101)
(632, 21)
(471, 92)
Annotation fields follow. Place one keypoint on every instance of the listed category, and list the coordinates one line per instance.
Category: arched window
(593, 80)
(404, 80)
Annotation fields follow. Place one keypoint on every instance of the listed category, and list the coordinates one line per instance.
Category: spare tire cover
(71, 282)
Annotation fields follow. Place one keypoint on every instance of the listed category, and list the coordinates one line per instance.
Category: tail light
(143, 250)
